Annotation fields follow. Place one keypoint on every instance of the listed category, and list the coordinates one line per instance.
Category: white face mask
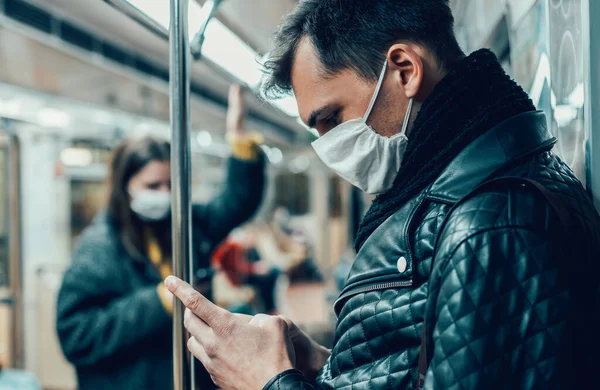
(361, 156)
(151, 205)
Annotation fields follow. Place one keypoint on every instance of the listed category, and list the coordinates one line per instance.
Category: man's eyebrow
(312, 119)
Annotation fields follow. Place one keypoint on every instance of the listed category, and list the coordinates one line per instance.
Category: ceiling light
(22, 107)
(266, 150)
(221, 46)
(143, 127)
(102, 117)
(52, 117)
(159, 10)
(276, 156)
(77, 157)
(227, 50)
(204, 139)
(299, 164)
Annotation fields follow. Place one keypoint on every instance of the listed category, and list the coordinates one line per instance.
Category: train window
(4, 250)
(87, 199)
(292, 191)
(567, 84)
(99, 154)
(547, 59)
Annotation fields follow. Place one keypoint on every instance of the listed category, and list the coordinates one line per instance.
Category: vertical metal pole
(180, 179)
(14, 247)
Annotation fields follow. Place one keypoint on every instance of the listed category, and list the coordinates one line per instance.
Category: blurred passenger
(275, 247)
(281, 220)
(293, 242)
(477, 265)
(242, 264)
(236, 298)
(114, 314)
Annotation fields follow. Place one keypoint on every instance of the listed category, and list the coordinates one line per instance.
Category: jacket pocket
(351, 291)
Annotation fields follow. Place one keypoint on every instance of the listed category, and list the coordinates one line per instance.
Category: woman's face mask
(359, 155)
(149, 190)
(151, 205)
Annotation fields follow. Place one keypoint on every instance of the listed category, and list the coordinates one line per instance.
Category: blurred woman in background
(113, 313)
(242, 265)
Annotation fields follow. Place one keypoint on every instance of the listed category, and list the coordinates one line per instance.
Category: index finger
(207, 311)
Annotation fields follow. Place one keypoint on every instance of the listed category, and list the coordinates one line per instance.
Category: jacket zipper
(414, 211)
(375, 287)
(385, 286)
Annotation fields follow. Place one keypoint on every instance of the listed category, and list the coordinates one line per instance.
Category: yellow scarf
(155, 254)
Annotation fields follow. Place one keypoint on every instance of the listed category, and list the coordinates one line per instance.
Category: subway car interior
(78, 77)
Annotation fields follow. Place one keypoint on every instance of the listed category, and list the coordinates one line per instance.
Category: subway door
(11, 351)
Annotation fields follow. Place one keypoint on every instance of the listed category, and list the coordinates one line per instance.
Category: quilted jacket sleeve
(290, 380)
(498, 297)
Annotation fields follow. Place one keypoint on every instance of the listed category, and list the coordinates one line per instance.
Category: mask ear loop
(377, 88)
(407, 116)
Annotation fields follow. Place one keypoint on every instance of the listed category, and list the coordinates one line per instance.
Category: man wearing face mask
(113, 313)
(477, 263)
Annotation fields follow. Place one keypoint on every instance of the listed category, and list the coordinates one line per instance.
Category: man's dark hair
(356, 34)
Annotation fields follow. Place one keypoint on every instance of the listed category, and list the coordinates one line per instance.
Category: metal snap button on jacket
(402, 264)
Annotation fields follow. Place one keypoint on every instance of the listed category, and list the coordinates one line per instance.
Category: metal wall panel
(548, 61)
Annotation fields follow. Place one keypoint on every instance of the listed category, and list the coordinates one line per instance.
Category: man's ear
(408, 67)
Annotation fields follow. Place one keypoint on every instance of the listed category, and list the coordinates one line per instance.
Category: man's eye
(333, 119)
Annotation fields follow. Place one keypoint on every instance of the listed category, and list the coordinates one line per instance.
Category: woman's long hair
(129, 158)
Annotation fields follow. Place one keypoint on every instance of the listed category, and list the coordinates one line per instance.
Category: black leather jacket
(511, 301)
